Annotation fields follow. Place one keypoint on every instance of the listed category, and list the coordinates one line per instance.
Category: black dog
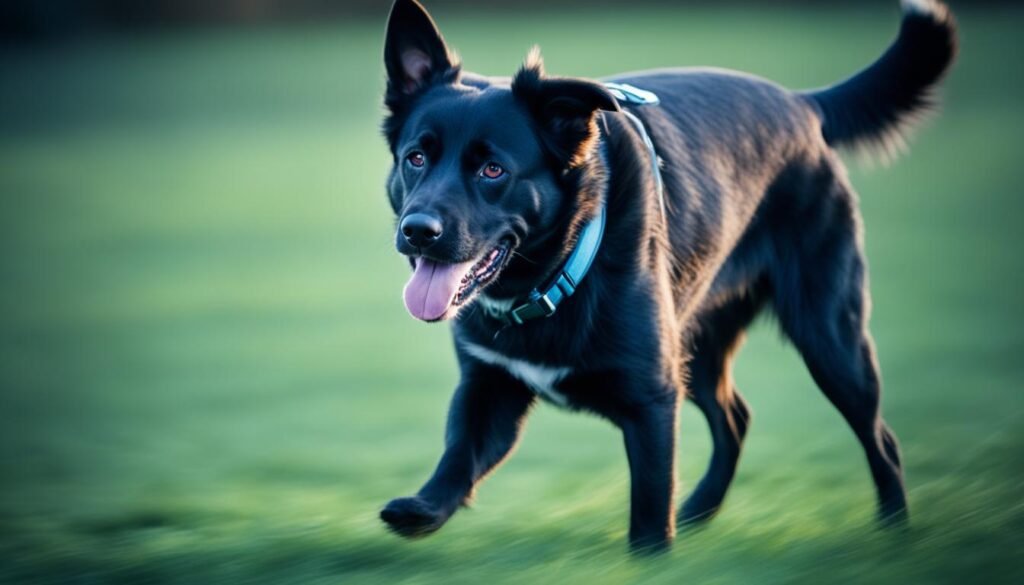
(534, 218)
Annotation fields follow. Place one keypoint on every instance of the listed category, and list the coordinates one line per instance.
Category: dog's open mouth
(436, 287)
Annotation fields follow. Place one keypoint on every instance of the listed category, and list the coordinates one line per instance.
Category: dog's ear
(565, 109)
(415, 53)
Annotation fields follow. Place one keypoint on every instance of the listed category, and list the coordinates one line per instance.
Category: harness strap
(544, 301)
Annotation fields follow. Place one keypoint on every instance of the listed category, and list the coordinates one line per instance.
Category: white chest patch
(540, 379)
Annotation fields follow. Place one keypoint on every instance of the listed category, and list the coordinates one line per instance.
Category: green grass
(207, 374)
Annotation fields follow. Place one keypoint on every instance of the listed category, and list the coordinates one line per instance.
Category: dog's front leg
(649, 432)
(484, 420)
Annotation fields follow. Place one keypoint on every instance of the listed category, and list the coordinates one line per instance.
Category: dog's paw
(412, 517)
(695, 514)
(650, 546)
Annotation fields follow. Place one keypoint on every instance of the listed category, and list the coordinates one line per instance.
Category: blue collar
(544, 301)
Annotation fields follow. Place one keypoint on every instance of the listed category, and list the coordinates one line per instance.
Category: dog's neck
(544, 279)
(633, 248)
(533, 267)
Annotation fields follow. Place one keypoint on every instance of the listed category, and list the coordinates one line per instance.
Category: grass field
(207, 374)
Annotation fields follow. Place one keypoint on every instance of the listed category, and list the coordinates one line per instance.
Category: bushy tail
(875, 108)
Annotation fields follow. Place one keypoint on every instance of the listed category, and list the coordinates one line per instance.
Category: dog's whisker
(514, 253)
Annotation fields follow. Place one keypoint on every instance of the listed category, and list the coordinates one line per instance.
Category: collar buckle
(539, 305)
(543, 302)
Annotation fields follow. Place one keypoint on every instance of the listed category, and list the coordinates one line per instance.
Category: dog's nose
(420, 229)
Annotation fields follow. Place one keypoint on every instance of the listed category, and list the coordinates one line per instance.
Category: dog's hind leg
(823, 303)
(712, 389)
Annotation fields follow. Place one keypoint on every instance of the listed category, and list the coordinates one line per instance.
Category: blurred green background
(207, 374)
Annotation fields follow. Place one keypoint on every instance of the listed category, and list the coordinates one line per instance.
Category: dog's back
(729, 142)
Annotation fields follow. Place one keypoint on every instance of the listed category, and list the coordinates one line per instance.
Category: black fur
(759, 215)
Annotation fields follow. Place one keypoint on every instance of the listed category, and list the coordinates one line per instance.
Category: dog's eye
(492, 171)
(416, 159)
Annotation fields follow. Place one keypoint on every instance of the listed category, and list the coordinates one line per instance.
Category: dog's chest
(542, 379)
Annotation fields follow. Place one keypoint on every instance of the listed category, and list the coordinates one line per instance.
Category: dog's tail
(875, 108)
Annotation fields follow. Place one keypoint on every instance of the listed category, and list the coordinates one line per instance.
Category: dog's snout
(421, 229)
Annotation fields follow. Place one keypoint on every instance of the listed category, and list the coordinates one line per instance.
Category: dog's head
(487, 171)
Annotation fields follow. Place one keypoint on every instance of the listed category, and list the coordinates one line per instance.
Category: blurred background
(207, 373)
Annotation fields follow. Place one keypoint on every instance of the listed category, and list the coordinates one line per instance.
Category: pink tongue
(432, 288)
